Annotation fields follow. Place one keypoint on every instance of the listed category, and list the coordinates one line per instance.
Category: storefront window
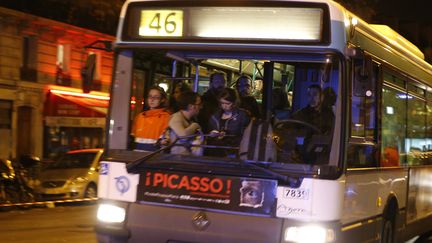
(5, 128)
(62, 139)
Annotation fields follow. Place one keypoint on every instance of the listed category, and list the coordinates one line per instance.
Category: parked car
(74, 175)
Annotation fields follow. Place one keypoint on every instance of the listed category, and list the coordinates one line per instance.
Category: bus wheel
(387, 233)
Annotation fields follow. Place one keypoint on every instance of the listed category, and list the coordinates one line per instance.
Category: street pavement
(62, 223)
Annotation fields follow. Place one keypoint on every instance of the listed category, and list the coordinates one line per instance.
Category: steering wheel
(286, 139)
(315, 129)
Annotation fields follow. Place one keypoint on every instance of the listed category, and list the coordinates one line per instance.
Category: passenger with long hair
(227, 124)
(217, 83)
(149, 125)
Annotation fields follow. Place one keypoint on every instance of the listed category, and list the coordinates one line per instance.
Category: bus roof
(344, 28)
(336, 41)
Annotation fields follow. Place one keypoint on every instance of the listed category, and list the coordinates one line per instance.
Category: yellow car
(74, 175)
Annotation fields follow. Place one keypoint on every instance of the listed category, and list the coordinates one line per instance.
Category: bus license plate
(291, 193)
(161, 23)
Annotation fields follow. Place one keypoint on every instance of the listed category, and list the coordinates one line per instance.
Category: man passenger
(182, 123)
(210, 100)
(247, 101)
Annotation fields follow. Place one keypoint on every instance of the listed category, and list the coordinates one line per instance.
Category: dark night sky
(411, 18)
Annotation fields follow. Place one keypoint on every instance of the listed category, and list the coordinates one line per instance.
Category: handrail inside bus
(131, 167)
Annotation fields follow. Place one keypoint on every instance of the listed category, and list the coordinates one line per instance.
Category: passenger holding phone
(227, 124)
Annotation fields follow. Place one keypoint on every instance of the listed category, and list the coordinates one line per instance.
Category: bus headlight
(109, 213)
(309, 233)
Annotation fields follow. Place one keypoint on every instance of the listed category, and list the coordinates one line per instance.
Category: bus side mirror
(87, 73)
(363, 76)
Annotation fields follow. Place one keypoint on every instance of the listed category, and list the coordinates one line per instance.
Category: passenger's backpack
(257, 142)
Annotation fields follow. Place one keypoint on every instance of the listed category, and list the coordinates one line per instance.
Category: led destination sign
(304, 24)
(161, 23)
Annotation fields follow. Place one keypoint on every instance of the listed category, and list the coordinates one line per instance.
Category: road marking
(48, 202)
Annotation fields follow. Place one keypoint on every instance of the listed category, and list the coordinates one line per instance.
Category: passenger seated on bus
(390, 152)
(390, 157)
(209, 98)
(227, 124)
(329, 98)
(149, 125)
(280, 102)
(315, 113)
(178, 89)
(257, 89)
(247, 101)
(182, 123)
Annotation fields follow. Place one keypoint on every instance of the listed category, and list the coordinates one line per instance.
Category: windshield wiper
(291, 181)
(131, 166)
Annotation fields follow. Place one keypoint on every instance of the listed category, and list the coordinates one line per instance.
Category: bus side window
(362, 149)
(393, 122)
(361, 155)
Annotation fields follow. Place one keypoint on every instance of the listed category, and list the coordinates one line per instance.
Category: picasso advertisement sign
(247, 195)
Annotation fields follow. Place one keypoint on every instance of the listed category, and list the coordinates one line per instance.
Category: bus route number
(161, 23)
(301, 194)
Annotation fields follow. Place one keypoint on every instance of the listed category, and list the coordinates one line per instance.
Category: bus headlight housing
(109, 213)
(309, 233)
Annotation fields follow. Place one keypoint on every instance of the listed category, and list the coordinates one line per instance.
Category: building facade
(43, 109)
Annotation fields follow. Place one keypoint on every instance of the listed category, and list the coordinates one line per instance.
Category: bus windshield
(252, 107)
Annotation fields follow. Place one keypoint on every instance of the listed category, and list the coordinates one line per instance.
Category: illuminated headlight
(110, 213)
(309, 234)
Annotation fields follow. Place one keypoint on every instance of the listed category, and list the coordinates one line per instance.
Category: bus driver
(315, 113)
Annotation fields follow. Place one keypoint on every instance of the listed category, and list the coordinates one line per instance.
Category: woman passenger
(149, 125)
(227, 124)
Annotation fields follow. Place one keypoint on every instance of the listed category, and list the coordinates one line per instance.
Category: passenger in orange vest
(390, 157)
(149, 125)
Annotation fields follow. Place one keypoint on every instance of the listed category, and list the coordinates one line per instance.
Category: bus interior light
(309, 233)
(110, 213)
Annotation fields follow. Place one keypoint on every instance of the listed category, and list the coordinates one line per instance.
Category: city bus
(365, 178)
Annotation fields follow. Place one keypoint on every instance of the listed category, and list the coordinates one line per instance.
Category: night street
(247, 121)
(63, 223)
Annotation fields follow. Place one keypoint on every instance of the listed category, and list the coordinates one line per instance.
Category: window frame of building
(28, 71)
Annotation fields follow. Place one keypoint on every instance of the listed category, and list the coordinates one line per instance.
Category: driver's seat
(257, 142)
(319, 148)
